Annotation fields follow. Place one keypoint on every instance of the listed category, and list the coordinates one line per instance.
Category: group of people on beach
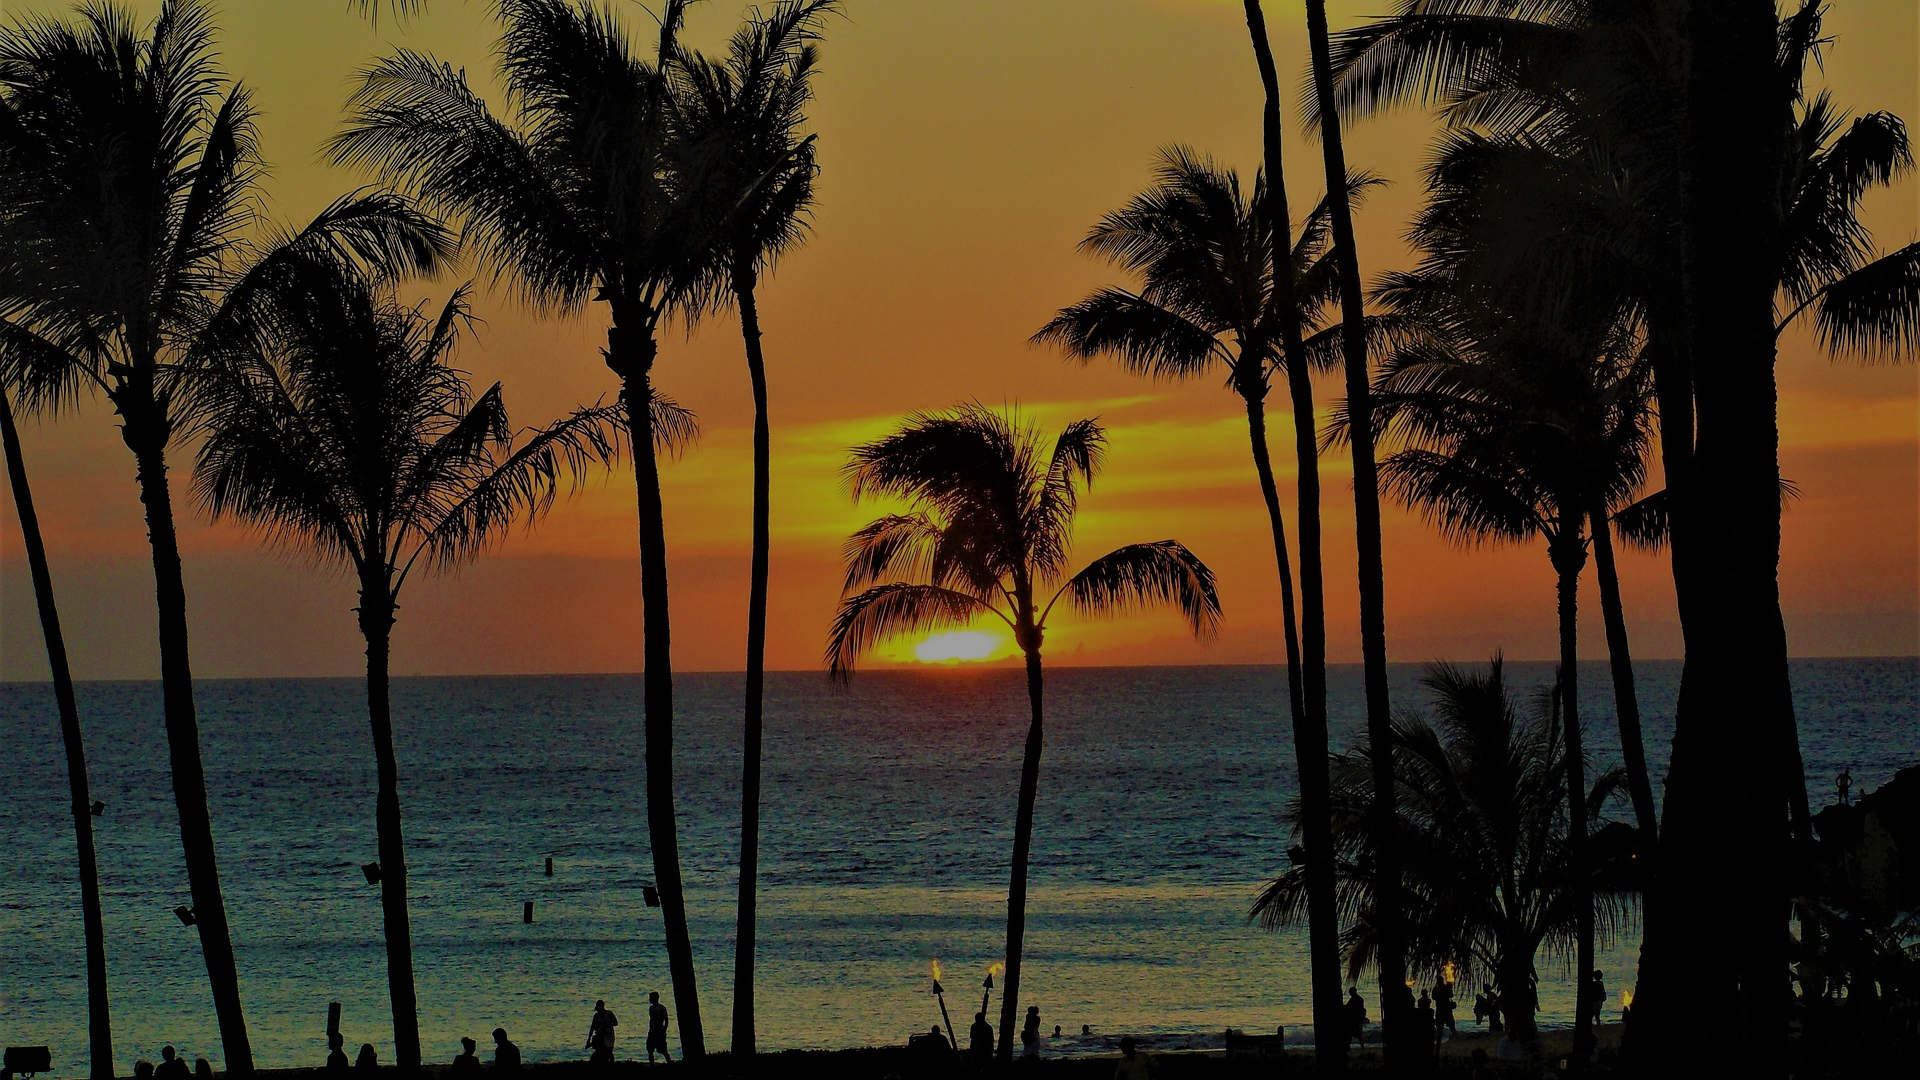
(506, 1054)
(172, 1067)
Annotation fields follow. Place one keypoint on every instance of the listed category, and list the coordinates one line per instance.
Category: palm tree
(19, 371)
(353, 438)
(1204, 253)
(744, 116)
(132, 177)
(1482, 819)
(586, 194)
(1516, 423)
(988, 528)
(1366, 508)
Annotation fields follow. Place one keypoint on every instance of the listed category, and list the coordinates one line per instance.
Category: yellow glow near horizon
(955, 646)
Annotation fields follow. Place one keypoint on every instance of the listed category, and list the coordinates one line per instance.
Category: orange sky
(965, 149)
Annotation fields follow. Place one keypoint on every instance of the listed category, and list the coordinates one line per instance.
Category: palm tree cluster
(1630, 201)
(328, 414)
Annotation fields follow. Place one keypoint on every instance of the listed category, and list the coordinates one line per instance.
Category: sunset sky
(965, 148)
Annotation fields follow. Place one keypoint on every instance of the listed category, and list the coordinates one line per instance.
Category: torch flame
(995, 969)
(1448, 973)
(1409, 983)
(936, 969)
(1626, 999)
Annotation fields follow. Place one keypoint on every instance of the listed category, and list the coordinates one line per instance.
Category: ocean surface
(887, 827)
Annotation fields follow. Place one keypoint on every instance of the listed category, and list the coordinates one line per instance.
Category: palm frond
(1147, 339)
(884, 611)
(1874, 312)
(1137, 576)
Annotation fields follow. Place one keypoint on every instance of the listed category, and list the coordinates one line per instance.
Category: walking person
(1356, 1014)
(657, 1028)
(600, 1033)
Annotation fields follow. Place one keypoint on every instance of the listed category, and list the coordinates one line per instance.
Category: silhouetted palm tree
(1207, 306)
(1482, 820)
(20, 371)
(354, 439)
(743, 118)
(1517, 423)
(988, 530)
(132, 174)
(1366, 514)
(585, 195)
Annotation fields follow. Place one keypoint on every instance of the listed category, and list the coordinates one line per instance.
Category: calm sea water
(887, 826)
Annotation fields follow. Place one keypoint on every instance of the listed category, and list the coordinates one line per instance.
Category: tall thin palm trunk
(1270, 494)
(1569, 555)
(1389, 920)
(1310, 724)
(145, 432)
(631, 353)
(1626, 700)
(743, 942)
(376, 625)
(1022, 836)
(99, 1027)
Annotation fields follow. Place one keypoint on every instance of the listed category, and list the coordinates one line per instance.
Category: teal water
(887, 827)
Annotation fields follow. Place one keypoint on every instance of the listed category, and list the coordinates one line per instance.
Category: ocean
(887, 826)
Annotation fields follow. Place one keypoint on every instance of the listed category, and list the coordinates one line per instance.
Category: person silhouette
(1030, 1033)
(1356, 1010)
(336, 1052)
(1596, 996)
(1844, 783)
(1443, 1009)
(368, 1059)
(172, 1066)
(506, 1056)
(600, 1033)
(1086, 1030)
(202, 1068)
(1133, 1064)
(980, 1040)
(143, 1070)
(466, 1062)
(657, 1028)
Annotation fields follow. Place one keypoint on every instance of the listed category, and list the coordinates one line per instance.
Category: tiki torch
(940, 994)
(986, 988)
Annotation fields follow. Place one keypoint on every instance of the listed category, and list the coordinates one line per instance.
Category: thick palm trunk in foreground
(1310, 723)
(1568, 558)
(1620, 661)
(1022, 847)
(99, 1028)
(1715, 955)
(631, 354)
(743, 942)
(1389, 920)
(145, 433)
(376, 624)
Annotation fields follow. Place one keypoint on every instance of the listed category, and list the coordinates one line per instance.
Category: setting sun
(956, 645)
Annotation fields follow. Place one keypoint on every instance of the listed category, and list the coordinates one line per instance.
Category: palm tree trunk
(1310, 760)
(1391, 958)
(1625, 700)
(743, 942)
(1568, 557)
(376, 625)
(1022, 846)
(145, 431)
(1516, 991)
(631, 353)
(99, 1028)
(1310, 723)
(1715, 954)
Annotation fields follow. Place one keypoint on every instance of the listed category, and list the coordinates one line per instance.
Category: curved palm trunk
(99, 1029)
(1390, 920)
(630, 354)
(743, 942)
(1022, 846)
(1310, 724)
(1568, 557)
(376, 624)
(145, 433)
(1626, 701)
(1309, 748)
